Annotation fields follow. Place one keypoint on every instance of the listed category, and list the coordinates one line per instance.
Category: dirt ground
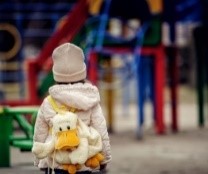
(185, 152)
(181, 153)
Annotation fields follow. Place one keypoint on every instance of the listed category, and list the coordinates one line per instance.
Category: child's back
(74, 92)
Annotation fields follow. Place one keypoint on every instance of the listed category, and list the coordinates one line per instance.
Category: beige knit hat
(68, 63)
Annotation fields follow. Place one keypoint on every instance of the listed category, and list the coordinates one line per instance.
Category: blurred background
(148, 58)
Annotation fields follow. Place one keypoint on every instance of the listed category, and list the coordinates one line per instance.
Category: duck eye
(60, 129)
(68, 127)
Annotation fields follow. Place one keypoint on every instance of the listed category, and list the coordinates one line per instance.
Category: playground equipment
(22, 24)
(200, 41)
(200, 38)
(7, 136)
(77, 18)
(104, 44)
(143, 45)
(74, 20)
(189, 11)
(10, 71)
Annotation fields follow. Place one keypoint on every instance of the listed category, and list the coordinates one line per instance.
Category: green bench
(25, 118)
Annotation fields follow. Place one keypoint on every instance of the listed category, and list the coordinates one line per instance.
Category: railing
(25, 118)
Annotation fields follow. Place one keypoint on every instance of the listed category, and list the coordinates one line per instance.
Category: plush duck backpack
(73, 143)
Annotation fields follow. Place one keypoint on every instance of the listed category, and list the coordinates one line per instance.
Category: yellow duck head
(65, 131)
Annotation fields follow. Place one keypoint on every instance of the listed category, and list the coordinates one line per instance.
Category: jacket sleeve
(99, 123)
(41, 126)
(41, 129)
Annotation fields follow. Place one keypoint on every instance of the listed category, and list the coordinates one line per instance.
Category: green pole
(200, 65)
(5, 133)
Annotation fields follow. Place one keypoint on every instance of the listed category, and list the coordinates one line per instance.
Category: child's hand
(38, 150)
(42, 150)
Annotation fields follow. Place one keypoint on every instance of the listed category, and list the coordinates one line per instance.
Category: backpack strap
(60, 109)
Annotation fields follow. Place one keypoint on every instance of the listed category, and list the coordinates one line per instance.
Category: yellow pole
(109, 95)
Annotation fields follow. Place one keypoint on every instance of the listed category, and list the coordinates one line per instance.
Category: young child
(71, 90)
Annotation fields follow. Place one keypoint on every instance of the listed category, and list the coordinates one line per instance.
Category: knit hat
(68, 63)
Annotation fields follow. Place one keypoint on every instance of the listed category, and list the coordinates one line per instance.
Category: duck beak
(67, 140)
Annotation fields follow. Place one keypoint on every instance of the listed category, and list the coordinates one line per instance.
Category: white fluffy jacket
(86, 99)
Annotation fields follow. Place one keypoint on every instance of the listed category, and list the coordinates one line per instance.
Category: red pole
(92, 68)
(32, 81)
(159, 88)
